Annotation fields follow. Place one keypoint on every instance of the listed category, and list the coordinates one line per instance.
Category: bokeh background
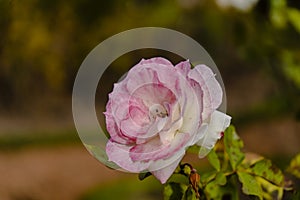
(255, 44)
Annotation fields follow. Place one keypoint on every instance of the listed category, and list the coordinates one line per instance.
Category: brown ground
(61, 173)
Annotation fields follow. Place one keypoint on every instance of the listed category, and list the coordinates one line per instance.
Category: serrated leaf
(233, 145)
(214, 160)
(249, 184)
(294, 167)
(270, 191)
(221, 178)
(266, 170)
(174, 191)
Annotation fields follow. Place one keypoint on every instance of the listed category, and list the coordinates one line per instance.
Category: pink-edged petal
(113, 129)
(155, 60)
(191, 113)
(212, 91)
(218, 123)
(155, 149)
(131, 129)
(149, 72)
(153, 93)
(138, 112)
(183, 67)
(119, 154)
(164, 174)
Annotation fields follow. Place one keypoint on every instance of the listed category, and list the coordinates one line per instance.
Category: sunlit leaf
(214, 160)
(233, 146)
(270, 191)
(250, 185)
(266, 170)
(278, 13)
(221, 178)
(294, 167)
(294, 17)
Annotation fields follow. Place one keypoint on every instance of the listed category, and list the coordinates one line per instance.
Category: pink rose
(158, 111)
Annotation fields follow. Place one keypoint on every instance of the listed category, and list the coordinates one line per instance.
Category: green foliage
(233, 147)
(174, 191)
(250, 185)
(214, 160)
(265, 169)
(235, 173)
(294, 167)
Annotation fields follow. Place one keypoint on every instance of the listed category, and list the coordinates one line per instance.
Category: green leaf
(221, 178)
(207, 177)
(250, 185)
(270, 191)
(266, 170)
(294, 17)
(294, 167)
(278, 13)
(214, 160)
(174, 191)
(214, 191)
(189, 194)
(233, 146)
(193, 149)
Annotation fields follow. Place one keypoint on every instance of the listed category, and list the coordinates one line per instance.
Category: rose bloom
(158, 111)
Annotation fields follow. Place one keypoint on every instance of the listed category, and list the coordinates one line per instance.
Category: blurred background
(255, 44)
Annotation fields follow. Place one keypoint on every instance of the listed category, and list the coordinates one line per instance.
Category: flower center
(157, 110)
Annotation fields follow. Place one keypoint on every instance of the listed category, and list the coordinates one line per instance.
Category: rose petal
(153, 93)
(113, 129)
(218, 123)
(164, 174)
(200, 134)
(119, 154)
(155, 61)
(155, 149)
(212, 91)
(167, 136)
(183, 67)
